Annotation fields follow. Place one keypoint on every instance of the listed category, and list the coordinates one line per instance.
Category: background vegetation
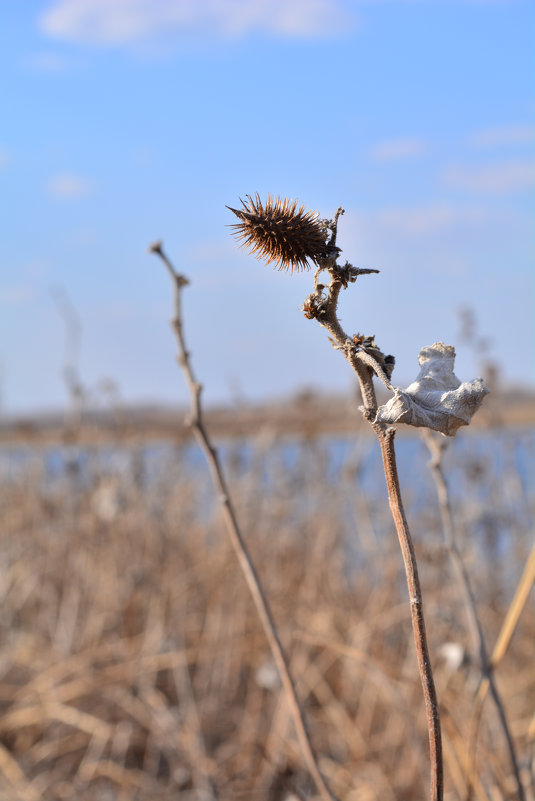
(133, 664)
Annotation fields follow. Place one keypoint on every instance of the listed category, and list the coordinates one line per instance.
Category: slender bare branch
(236, 537)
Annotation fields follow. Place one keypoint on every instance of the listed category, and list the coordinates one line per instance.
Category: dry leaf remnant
(278, 231)
(436, 399)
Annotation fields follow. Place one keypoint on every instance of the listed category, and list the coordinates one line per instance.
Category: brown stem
(327, 317)
(386, 441)
(236, 538)
(331, 323)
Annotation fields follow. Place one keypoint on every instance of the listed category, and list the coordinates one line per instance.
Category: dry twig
(197, 424)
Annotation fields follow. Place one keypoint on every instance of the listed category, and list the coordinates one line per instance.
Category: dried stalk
(504, 637)
(436, 449)
(367, 360)
(197, 424)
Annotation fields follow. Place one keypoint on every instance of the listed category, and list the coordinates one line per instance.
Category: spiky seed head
(278, 231)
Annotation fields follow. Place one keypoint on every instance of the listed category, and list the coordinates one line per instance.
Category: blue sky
(126, 121)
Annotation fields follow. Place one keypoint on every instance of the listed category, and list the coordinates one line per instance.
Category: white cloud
(429, 219)
(68, 185)
(501, 178)
(504, 135)
(398, 149)
(393, 234)
(123, 22)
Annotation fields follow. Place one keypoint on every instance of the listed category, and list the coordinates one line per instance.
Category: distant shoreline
(304, 415)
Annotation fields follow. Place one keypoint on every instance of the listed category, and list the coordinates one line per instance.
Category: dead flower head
(278, 231)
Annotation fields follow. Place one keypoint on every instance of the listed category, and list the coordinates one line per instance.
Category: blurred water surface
(490, 475)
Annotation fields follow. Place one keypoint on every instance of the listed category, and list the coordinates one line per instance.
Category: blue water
(473, 461)
(490, 474)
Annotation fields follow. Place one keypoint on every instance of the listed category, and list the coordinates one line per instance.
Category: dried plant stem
(361, 363)
(386, 441)
(474, 624)
(506, 632)
(236, 538)
(515, 610)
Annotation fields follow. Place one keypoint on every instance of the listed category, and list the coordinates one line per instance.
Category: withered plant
(279, 231)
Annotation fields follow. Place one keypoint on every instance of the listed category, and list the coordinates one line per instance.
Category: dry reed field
(133, 664)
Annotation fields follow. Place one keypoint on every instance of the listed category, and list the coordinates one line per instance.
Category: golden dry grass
(132, 665)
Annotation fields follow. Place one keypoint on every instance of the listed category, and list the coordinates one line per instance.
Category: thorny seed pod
(280, 232)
